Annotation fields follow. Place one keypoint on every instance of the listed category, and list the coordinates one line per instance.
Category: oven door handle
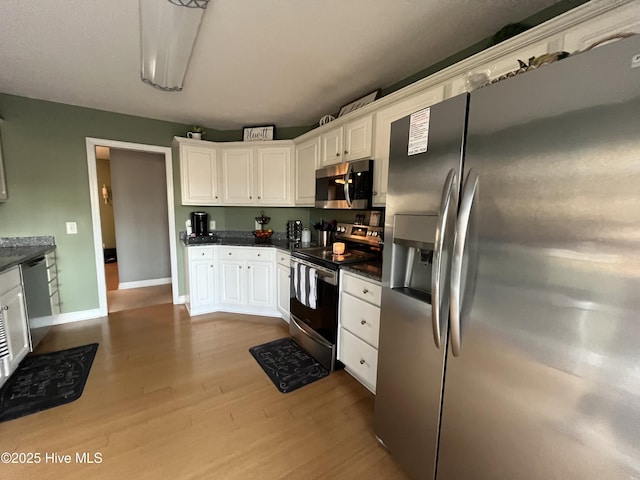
(325, 274)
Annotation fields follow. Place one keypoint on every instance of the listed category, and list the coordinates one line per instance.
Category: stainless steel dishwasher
(36, 292)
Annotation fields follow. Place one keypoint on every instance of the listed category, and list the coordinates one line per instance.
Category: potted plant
(196, 132)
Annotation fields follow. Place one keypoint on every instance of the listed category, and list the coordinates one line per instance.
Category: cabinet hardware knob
(211, 266)
(362, 362)
(248, 267)
(4, 307)
(258, 254)
(250, 197)
(239, 266)
(337, 154)
(259, 198)
(375, 193)
(363, 322)
(229, 253)
(346, 152)
(365, 291)
(216, 196)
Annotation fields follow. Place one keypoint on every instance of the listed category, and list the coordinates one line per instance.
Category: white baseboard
(144, 283)
(78, 316)
(180, 300)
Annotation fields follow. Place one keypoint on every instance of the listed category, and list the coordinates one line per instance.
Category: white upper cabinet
(384, 118)
(257, 175)
(349, 142)
(237, 176)
(357, 138)
(307, 161)
(273, 175)
(331, 147)
(199, 175)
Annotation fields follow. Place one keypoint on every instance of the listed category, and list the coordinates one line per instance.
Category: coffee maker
(200, 224)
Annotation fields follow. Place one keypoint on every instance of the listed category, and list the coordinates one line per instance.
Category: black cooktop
(325, 255)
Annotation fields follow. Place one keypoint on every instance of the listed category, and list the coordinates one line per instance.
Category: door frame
(94, 195)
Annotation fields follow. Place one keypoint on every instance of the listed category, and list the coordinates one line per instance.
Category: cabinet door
(273, 165)
(331, 147)
(237, 176)
(384, 118)
(284, 290)
(202, 284)
(16, 329)
(357, 138)
(307, 161)
(199, 175)
(260, 284)
(232, 282)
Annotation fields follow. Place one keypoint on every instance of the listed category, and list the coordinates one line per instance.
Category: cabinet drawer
(360, 318)
(50, 259)
(247, 253)
(200, 253)
(54, 299)
(10, 279)
(360, 288)
(52, 272)
(53, 287)
(359, 358)
(283, 258)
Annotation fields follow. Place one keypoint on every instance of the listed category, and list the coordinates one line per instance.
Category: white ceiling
(282, 62)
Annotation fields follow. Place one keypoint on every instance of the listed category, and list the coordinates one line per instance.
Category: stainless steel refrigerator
(510, 321)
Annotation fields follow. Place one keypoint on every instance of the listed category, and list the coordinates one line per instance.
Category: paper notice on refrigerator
(419, 132)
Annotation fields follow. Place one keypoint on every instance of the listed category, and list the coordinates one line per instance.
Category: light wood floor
(118, 300)
(169, 397)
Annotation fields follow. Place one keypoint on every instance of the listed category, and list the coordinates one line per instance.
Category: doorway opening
(136, 260)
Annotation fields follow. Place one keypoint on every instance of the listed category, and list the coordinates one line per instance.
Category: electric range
(314, 300)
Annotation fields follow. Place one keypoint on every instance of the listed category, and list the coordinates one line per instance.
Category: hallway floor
(119, 300)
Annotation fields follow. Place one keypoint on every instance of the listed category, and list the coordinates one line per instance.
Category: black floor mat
(288, 366)
(46, 381)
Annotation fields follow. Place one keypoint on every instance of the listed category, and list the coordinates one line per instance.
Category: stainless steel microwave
(347, 185)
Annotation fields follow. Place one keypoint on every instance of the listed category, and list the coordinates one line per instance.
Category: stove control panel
(359, 233)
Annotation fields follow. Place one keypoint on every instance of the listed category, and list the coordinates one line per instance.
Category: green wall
(44, 151)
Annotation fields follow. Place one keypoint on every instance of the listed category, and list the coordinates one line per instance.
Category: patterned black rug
(288, 366)
(46, 381)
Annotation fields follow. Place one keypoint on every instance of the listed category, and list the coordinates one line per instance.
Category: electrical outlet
(72, 228)
(258, 226)
(212, 225)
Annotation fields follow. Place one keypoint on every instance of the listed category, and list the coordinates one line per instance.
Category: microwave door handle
(448, 207)
(346, 185)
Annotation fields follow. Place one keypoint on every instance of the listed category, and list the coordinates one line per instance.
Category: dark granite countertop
(248, 242)
(17, 250)
(372, 271)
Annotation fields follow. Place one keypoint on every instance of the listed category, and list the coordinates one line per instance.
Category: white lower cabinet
(231, 279)
(14, 329)
(200, 276)
(359, 325)
(247, 280)
(283, 261)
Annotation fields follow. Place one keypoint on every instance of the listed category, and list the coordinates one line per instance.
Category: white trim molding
(144, 283)
(94, 194)
(78, 316)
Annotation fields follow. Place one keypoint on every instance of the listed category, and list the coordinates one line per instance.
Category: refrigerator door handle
(448, 207)
(462, 229)
(347, 176)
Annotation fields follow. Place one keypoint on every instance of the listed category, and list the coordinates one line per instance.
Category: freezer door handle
(462, 229)
(448, 207)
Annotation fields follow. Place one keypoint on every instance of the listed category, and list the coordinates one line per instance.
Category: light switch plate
(72, 228)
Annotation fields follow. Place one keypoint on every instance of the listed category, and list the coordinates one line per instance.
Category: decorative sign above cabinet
(251, 134)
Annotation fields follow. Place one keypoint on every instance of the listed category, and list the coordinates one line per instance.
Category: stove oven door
(316, 329)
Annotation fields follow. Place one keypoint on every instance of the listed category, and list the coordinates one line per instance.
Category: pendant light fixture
(168, 31)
